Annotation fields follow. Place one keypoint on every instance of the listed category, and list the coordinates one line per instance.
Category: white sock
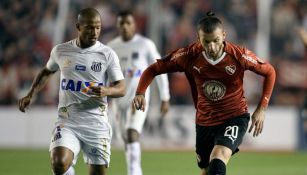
(133, 158)
(70, 171)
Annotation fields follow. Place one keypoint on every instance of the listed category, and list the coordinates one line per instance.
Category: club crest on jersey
(96, 66)
(214, 90)
(230, 69)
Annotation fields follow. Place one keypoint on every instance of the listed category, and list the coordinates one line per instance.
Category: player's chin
(92, 40)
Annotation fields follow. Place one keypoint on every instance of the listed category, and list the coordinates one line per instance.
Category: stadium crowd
(27, 30)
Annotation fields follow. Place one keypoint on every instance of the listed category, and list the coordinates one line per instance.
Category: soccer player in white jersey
(85, 65)
(135, 53)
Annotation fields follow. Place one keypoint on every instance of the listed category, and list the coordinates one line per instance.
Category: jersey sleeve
(251, 62)
(175, 61)
(114, 71)
(162, 80)
(52, 65)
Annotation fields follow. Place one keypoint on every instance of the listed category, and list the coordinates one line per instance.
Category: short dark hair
(125, 13)
(87, 13)
(209, 23)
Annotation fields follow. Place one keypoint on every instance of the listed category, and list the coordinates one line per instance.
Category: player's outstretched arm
(268, 72)
(147, 76)
(160, 67)
(38, 83)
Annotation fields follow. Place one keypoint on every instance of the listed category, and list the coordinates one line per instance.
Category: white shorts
(93, 140)
(95, 150)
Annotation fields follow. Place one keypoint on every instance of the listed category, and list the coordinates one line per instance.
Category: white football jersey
(81, 68)
(135, 56)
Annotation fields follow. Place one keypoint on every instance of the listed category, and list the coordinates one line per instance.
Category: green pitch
(34, 162)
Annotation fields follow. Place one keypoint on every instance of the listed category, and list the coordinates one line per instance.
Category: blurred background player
(215, 70)
(135, 53)
(85, 65)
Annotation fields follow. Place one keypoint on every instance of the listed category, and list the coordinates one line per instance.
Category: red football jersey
(217, 86)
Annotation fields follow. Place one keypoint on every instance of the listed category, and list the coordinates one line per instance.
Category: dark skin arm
(116, 90)
(39, 82)
(164, 108)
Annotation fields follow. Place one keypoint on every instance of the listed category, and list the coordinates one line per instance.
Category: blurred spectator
(8, 86)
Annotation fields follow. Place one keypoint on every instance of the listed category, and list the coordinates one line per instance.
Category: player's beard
(217, 54)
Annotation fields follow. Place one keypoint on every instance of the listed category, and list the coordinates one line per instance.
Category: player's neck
(82, 45)
(127, 38)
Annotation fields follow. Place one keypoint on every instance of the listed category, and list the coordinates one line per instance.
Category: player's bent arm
(268, 85)
(117, 89)
(146, 78)
(160, 67)
(268, 72)
(151, 72)
(38, 83)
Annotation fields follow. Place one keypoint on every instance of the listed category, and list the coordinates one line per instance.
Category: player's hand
(257, 121)
(139, 102)
(132, 109)
(24, 102)
(98, 91)
(164, 108)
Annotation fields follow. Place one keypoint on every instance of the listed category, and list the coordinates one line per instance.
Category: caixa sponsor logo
(83, 86)
(132, 73)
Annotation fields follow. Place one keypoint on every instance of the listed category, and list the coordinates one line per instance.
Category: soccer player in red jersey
(215, 70)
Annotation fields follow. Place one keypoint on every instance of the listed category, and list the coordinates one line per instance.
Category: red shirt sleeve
(175, 61)
(251, 62)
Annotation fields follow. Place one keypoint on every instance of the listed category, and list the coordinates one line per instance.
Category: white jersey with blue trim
(135, 56)
(81, 68)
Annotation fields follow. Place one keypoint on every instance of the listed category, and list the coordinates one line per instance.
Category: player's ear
(224, 34)
(197, 35)
(78, 26)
